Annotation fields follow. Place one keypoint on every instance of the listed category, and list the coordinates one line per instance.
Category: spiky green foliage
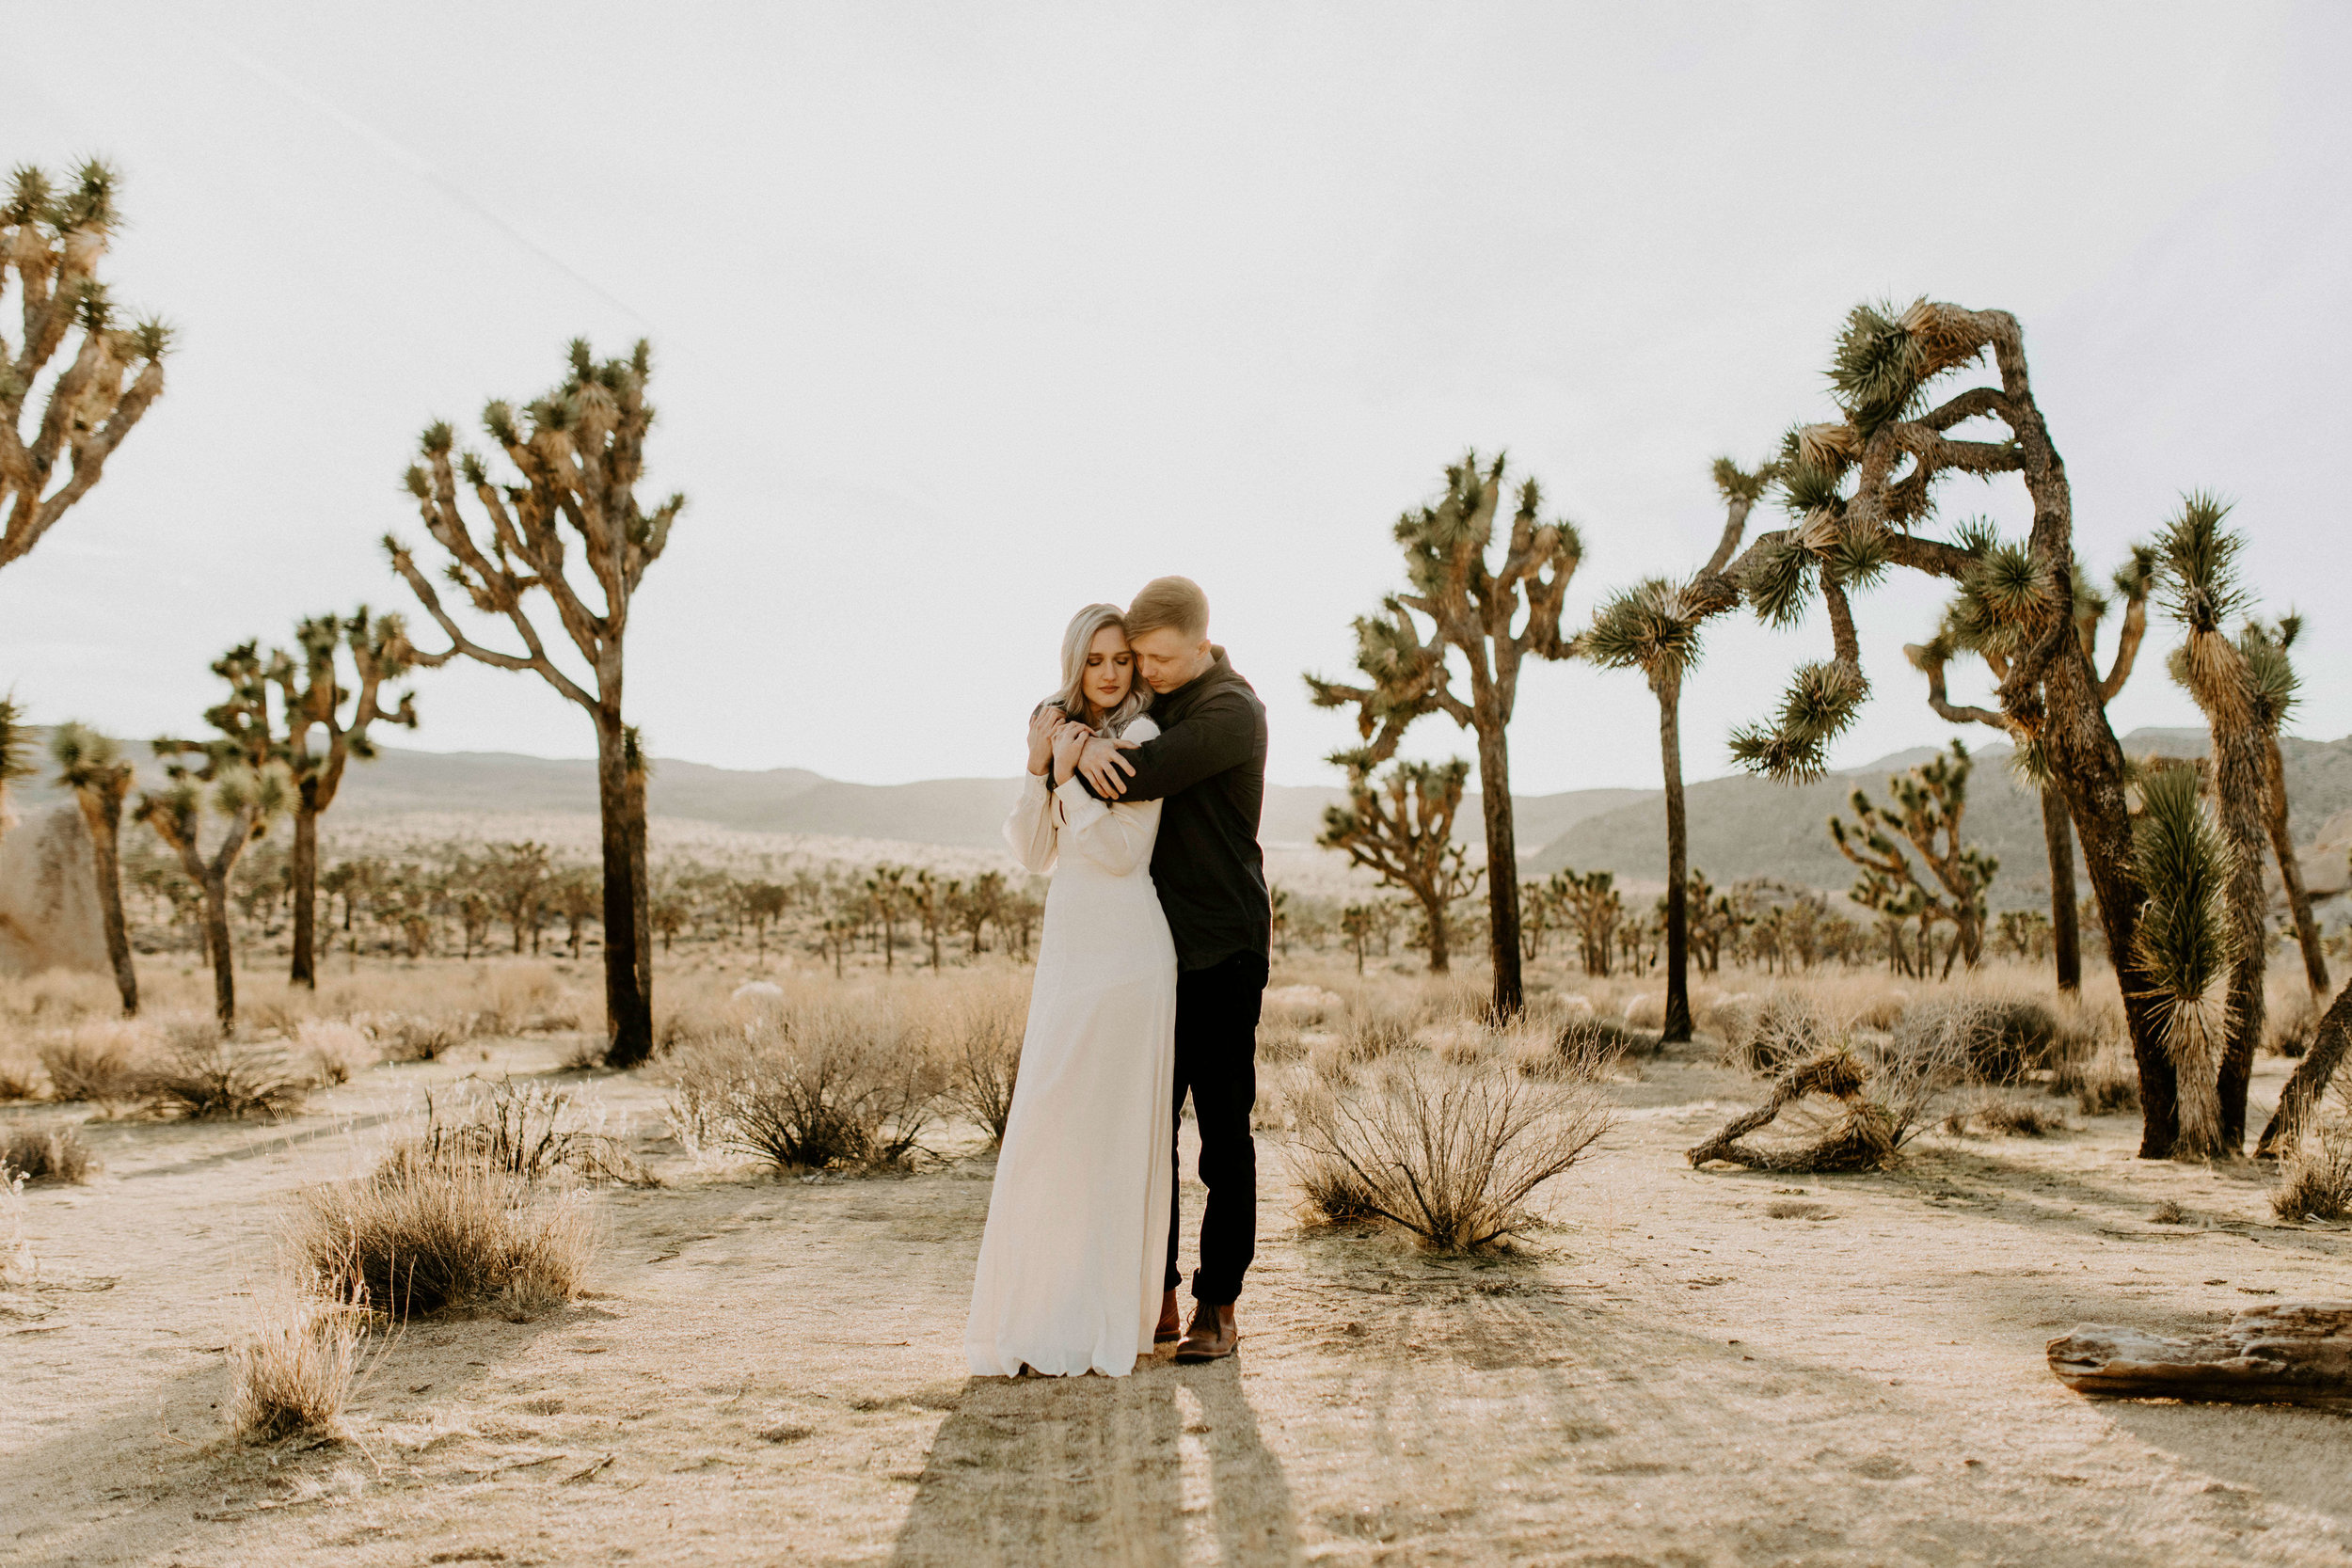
(1400, 827)
(1820, 705)
(2274, 688)
(1929, 802)
(16, 744)
(2185, 941)
(2197, 565)
(1649, 628)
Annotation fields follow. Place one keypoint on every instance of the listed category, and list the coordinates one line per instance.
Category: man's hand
(1101, 765)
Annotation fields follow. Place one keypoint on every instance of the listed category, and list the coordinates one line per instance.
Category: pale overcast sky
(966, 315)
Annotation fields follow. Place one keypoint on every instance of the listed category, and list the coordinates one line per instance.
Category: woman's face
(1110, 668)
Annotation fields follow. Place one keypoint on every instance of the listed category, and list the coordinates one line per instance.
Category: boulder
(49, 915)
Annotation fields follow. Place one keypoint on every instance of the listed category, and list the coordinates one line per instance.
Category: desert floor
(1688, 1368)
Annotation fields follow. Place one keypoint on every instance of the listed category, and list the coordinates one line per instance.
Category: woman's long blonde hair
(1071, 698)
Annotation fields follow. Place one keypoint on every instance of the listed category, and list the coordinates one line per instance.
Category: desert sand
(1684, 1368)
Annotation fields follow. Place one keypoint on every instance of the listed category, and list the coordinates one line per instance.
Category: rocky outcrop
(49, 914)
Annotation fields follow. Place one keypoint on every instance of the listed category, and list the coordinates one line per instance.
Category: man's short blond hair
(1173, 602)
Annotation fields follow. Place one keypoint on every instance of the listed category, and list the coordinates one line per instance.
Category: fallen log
(2294, 1352)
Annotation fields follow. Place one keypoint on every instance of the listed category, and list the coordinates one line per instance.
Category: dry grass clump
(1843, 1108)
(2290, 1023)
(423, 1037)
(530, 1131)
(204, 1078)
(97, 1061)
(2007, 1119)
(44, 1154)
(290, 1371)
(20, 1070)
(1579, 1048)
(1448, 1153)
(54, 998)
(826, 1086)
(2315, 1182)
(1782, 1028)
(1998, 1039)
(421, 1235)
(2092, 1062)
(978, 1045)
(332, 1051)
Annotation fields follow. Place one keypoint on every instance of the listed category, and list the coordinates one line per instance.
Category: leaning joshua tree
(1928, 804)
(1401, 829)
(1859, 489)
(2274, 686)
(577, 454)
(1654, 628)
(51, 239)
(1971, 626)
(1471, 608)
(91, 766)
(2199, 585)
(315, 703)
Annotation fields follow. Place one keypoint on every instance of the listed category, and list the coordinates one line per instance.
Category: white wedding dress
(1075, 1253)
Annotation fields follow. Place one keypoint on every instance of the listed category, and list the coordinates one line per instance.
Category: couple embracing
(1147, 771)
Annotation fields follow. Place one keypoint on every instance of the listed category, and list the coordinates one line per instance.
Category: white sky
(966, 315)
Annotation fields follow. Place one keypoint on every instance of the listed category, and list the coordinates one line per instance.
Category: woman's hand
(1069, 741)
(1044, 724)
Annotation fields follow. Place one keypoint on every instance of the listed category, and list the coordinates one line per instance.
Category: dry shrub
(1282, 1042)
(1372, 1032)
(2315, 1182)
(55, 998)
(421, 1235)
(2099, 1071)
(45, 1154)
(978, 1043)
(2006, 1118)
(20, 1070)
(530, 1131)
(425, 1037)
(1784, 1028)
(1840, 1110)
(1448, 1153)
(291, 1372)
(97, 1061)
(1301, 1007)
(2290, 1023)
(520, 995)
(331, 1051)
(1584, 1046)
(219, 1079)
(2000, 1039)
(812, 1088)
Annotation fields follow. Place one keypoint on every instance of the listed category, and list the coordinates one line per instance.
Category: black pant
(1216, 1062)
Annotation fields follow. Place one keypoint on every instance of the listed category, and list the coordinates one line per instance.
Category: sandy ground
(1689, 1368)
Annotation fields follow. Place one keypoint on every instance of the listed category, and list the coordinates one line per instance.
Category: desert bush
(1782, 1028)
(517, 996)
(425, 1037)
(530, 1131)
(2290, 1023)
(219, 1079)
(2005, 1117)
(1448, 1153)
(1997, 1040)
(2315, 1181)
(2099, 1072)
(1372, 1032)
(96, 1061)
(20, 1070)
(978, 1045)
(44, 1154)
(1583, 1046)
(1282, 1042)
(55, 998)
(1301, 1007)
(1844, 1108)
(331, 1051)
(421, 1235)
(290, 1371)
(812, 1088)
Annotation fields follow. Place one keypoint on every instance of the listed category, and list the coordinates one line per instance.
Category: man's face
(1167, 658)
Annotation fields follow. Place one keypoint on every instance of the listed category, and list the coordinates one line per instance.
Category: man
(1208, 765)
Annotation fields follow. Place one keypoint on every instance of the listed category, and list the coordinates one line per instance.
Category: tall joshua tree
(1859, 490)
(2274, 690)
(1471, 608)
(1401, 829)
(2199, 585)
(1928, 804)
(315, 700)
(1972, 626)
(51, 237)
(92, 766)
(1654, 628)
(578, 453)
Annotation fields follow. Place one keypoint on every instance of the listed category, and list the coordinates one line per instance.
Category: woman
(1071, 1267)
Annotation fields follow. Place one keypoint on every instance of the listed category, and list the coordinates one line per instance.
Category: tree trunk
(217, 944)
(2293, 1353)
(1503, 868)
(640, 878)
(2239, 785)
(1440, 957)
(2291, 869)
(2309, 1080)
(2066, 942)
(628, 1011)
(1678, 1024)
(306, 888)
(106, 841)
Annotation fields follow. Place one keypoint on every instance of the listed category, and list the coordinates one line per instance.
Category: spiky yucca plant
(16, 746)
(577, 454)
(1400, 827)
(1471, 608)
(2186, 945)
(1655, 628)
(92, 766)
(1860, 492)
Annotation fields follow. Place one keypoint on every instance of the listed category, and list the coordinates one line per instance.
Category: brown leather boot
(1169, 1331)
(1212, 1336)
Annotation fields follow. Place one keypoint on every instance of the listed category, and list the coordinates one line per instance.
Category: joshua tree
(52, 238)
(886, 895)
(1471, 609)
(1972, 625)
(1400, 828)
(1654, 628)
(246, 797)
(2187, 946)
(314, 700)
(579, 452)
(1596, 908)
(1929, 802)
(518, 878)
(16, 760)
(1858, 488)
(2273, 690)
(2199, 584)
(91, 764)
(932, 900)
(764, 903)
(979, 904)
(576, 898)
(1356, 923)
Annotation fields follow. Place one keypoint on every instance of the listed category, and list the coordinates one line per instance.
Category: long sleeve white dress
(1076, 1247)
